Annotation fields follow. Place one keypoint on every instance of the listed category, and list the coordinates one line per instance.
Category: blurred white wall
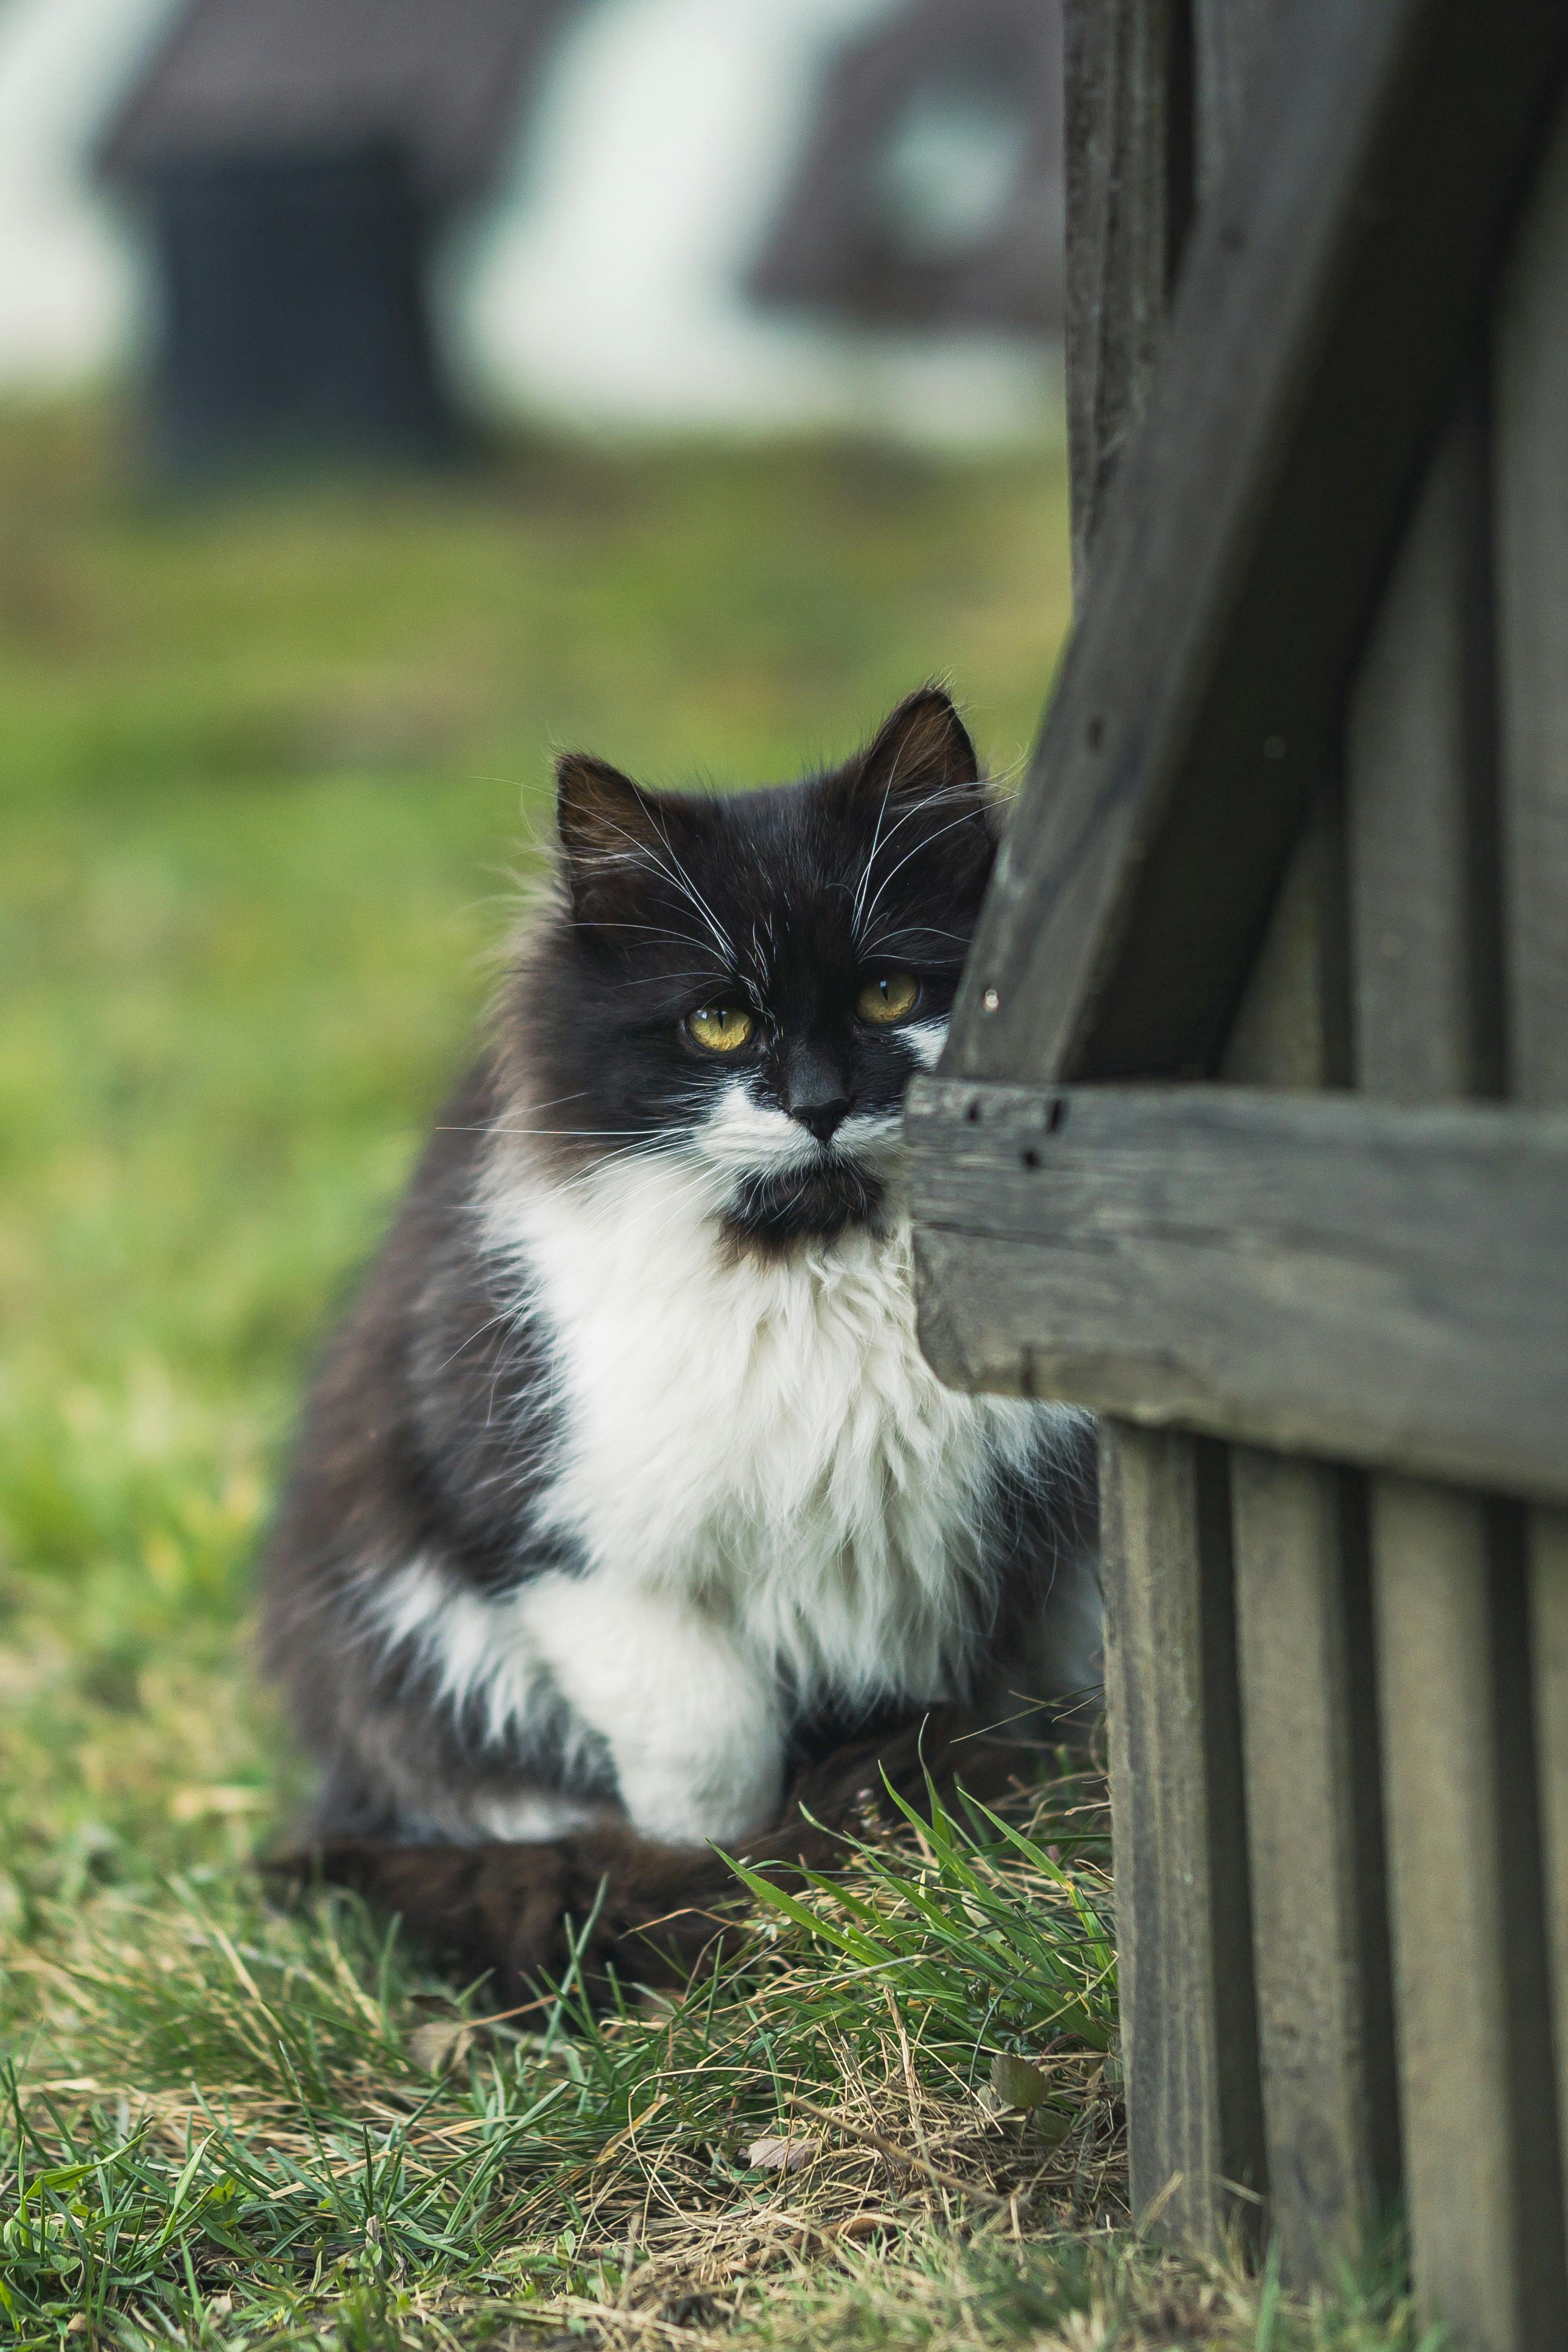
(603, 286)
(73, 281)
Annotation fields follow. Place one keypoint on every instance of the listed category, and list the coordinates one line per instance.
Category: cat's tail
(608, 1901)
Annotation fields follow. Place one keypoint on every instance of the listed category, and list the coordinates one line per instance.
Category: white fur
(926, 1038)
(532, 1816)
(696, 1729)
(741, 1137)
(774, 1496)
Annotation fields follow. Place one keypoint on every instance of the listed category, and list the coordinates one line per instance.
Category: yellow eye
(723, 1028)
(893, 998)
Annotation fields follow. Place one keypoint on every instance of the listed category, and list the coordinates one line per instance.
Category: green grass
(267, 771)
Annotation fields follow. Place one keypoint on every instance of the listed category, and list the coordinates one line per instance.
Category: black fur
(679, 899)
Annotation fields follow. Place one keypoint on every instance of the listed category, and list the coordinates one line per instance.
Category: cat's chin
(770, 1215)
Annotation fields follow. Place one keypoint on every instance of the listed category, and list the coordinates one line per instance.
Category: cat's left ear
(923, 747)
(615, 839)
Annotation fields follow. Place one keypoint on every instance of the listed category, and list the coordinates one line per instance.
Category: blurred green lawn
(267, 767)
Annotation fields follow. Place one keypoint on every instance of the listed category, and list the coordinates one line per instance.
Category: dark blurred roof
(443, 78)
(848, 241)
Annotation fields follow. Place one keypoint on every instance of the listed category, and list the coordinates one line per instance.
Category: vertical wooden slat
(1480, 2162)
(1530, 476)
(1548, 1552)
(1284, 1033)
(1314, 1812)
(1302, 1604)
(1410, 789)
(1179, 1825)
(1178, 1830)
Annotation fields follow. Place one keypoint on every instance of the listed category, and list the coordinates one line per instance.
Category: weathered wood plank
(1302, 1597)
(1224, 34)
(1481, 2161)
(1318, 1273)
(1195, 711)
(1170, 1668)
(1179, 1828)
(1547, 1539)
(1127, 200)
(1290, 1027)
(1325, 2026)
(1314, 1812)
(1421, 1005)
(1531, 478)
(1314, 1799)
(1482, 2186)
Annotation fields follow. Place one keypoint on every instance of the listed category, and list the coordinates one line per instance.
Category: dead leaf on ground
(438, 2046)
(781, 2155)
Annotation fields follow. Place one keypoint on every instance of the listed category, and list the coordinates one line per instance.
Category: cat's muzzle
(816, 1201)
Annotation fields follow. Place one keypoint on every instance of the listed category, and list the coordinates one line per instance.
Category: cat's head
(746, 982)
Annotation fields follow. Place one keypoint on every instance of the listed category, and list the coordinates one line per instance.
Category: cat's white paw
(693, 1725)
(682, 1804)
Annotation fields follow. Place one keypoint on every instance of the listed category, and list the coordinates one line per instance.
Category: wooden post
(1303, 1609)
(1179, 1831)
(1213, 873)
(1481, 2169)
(1191, 2092)
(1325, 2029)
(1530, 491)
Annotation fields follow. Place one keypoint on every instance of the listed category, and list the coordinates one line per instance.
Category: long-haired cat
(625, 1489)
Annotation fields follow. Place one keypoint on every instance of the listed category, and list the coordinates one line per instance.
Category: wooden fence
(1252, 1132)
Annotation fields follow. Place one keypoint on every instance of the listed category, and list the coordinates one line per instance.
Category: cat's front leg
(693, 1726)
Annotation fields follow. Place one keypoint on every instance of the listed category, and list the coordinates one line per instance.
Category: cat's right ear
(610, 835)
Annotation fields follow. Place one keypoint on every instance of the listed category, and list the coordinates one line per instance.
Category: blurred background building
(371, 223)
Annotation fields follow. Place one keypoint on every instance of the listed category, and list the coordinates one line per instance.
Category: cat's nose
(816, 1094)
(821, 1117)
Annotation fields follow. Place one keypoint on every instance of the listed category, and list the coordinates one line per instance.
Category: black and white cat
(625, 1485)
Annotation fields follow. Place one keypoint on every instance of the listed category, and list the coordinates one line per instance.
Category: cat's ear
(917, 787)
(612, 836)
(923, 747)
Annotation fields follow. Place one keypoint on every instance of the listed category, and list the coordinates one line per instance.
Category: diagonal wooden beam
(1330, 287)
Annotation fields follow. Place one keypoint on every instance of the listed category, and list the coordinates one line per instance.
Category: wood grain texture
(1547, 1549)
(1281, 1034)
(1302, 1603)
(1179, 1828)
(1127, 197)
(1529, 473)
(1314, 1812)
(1225, 36)
(1481, 2158)
(1304, 1651)
(1197, 705)
(1318, 1273)
(1482, 2178)
(1423, 1009)
(1180, 1843)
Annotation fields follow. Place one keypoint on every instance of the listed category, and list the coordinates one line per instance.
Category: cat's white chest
(764, 1438)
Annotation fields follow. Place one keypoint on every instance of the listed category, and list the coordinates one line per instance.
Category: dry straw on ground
(664, 2172)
